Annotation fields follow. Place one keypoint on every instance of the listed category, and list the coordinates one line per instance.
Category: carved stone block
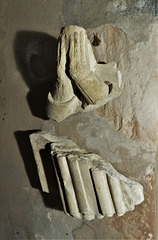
(82, 83)
(89, 186)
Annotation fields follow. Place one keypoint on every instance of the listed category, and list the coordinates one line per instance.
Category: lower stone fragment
(89, 186)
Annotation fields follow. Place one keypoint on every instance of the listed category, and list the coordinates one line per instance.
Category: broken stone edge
(89, 186)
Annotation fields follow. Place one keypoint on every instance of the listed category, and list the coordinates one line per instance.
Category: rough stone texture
(28, 32)
(135, 111)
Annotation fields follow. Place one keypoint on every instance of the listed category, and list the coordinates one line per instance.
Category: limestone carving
(89, 186)
(82, 83)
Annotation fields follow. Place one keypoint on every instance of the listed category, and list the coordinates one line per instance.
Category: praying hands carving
(89, 186)
(82, 83)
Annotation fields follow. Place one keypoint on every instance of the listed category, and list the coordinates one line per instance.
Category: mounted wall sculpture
(82, 83)
(89, 186)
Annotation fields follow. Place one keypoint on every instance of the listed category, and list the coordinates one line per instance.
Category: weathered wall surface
(124, 131)
(135, 111)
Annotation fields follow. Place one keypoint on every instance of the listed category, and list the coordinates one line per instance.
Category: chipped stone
(137, 104)
(83, 84)
(89, 186)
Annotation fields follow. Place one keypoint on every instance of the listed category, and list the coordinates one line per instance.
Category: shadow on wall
(36, 55)
(52, 199)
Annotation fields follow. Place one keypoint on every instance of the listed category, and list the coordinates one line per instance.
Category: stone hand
(82, 60)
(82, 83)
(64, 90)
(63, 102)
(82, 66)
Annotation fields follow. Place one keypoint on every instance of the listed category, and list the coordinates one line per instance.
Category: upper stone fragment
(83, 84)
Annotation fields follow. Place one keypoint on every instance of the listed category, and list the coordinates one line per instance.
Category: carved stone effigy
(89, 186)
(82, 83)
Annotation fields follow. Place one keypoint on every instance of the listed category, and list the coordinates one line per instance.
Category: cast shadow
(36, 55)
(52, 199)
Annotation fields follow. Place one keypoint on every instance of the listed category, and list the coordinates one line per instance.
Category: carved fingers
(80, 77)
(61, 61)
(79, 62)
(80, 55)
(64, 90)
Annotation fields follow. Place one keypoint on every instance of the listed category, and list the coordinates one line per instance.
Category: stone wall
(124, 131)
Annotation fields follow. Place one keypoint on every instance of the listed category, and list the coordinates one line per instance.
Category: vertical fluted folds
(89, 186)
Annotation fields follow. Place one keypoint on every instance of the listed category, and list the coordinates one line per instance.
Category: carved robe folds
(89, 186)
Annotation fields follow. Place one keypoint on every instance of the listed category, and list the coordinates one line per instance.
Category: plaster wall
(28, 43)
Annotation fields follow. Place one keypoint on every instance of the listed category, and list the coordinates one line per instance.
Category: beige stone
(83, 84)
(134, 112)
(89, 186)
